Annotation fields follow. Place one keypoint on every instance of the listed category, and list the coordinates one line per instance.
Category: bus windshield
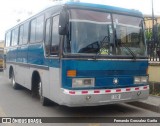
(95, 32)
(129, 33)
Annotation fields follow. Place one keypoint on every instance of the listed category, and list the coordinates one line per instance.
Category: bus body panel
(23, 76)
(36, 54)
(22, 57)
(55, 84)
(101, 99)
(1, 57)
(104, 72)
(22, 54)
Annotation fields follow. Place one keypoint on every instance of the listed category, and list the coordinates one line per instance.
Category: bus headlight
(83, 82)
(140, 79)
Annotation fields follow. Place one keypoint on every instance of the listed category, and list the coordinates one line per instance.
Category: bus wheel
(43, 99)
(14, 84)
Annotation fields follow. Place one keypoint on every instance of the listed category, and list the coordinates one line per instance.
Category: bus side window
(33, 31)
(25, 33)
(14, 37)
(47, 36)
(39, 28)
(55, 36)
(21, 35)
(8, 39)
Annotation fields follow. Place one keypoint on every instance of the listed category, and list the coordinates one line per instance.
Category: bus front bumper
(77, 98)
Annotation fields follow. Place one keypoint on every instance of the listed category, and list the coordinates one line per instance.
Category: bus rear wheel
(14, 84)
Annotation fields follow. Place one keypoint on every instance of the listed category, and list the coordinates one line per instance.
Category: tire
(44, 101)
(13, 82)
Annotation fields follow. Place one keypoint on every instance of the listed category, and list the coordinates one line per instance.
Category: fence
(153, 51)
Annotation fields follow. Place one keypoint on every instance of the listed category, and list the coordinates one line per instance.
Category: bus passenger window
(33, 31)
(55, 36)
(8, 39)
(25, 33)
(47, 36)
(14, 37)
(39, 28)
(21, 35)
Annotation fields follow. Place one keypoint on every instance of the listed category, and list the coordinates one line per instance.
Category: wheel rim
(40, 89)
(13, 80)
(40, 92)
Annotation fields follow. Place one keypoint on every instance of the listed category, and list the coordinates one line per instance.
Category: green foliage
(148, 33)
(158, 31)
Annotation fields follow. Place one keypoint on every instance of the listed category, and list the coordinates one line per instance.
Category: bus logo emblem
(115, 80)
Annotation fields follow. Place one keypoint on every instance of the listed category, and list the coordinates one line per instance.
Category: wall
(148, 23)
(154, 72)
(1, 44)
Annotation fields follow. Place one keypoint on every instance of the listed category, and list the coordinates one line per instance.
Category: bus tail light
(71, 73)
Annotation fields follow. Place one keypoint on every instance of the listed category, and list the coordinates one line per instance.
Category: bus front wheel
(43, 99)
(14, 84)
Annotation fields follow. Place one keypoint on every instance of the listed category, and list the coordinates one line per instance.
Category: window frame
(50, 37)
(42, 28)
(50, 32)
(23, 33)
(8, 44)
(35, 29)
(20, 34)
(14, 41)
(58, 51)
(30, 33)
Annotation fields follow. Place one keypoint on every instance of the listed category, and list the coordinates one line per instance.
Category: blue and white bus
(80, 54)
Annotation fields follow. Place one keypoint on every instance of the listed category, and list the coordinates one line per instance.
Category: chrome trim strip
(30, 65)
(105, 59)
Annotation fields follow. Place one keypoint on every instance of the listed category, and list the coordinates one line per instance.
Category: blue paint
(104, 72)
(36, 54)
(31, 54)
(54, 63)
(12, 54)
(22, 54)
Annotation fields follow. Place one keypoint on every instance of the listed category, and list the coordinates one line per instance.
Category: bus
(1, 58)
(79, 54)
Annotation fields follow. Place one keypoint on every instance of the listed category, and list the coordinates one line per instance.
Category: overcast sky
(12, 10)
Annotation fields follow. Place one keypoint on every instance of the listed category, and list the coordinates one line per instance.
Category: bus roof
(92, 6)
(105, 8)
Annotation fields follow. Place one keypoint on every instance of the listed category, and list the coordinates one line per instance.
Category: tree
(148, 33)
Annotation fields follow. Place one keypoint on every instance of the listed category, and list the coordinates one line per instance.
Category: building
(1, 54)
(149, 21)
(1, 44)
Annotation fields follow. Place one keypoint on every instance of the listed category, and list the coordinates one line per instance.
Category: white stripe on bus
(105, 91)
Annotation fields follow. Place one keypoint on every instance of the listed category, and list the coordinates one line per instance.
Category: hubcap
(40, 89)
(40, 92)
(13, 80)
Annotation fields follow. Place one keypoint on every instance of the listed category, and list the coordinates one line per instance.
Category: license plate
(116, 97)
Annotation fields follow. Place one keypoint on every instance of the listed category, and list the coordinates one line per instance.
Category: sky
(12, 11)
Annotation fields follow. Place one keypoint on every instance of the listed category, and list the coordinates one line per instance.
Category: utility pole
(153, 30)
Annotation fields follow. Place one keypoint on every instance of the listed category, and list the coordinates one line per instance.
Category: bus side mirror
(63, 23)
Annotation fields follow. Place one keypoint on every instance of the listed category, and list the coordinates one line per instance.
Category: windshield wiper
(130, 51)
(103, 47)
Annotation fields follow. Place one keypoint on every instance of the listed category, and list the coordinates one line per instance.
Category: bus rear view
(104, 55)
